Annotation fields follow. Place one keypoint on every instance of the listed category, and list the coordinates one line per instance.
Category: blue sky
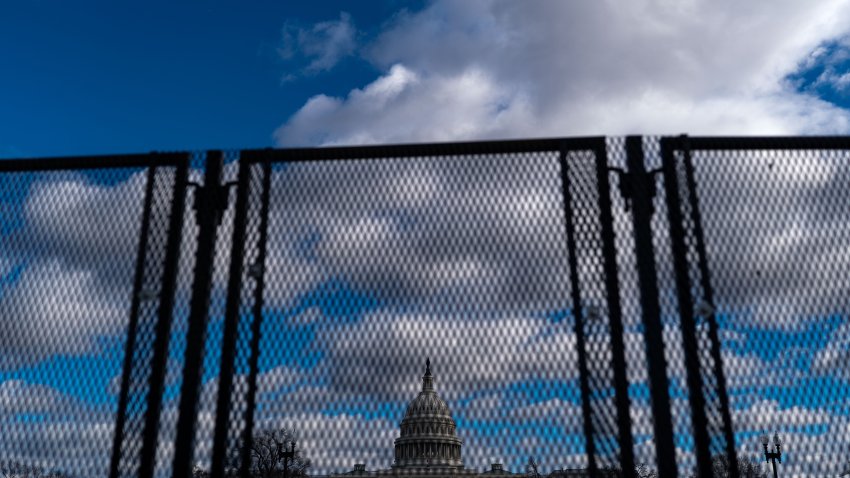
(478, 283)
(100, 77)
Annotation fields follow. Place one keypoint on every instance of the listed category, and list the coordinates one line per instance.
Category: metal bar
(156, 381)
(767, 142)
(427, 149)
(207, 208)
(132, 326)
(690, 345)
(650, 308)
(578, 315)
(615, 314)
(231, 324)
(708, 292)
(256, 325)
(92, 162)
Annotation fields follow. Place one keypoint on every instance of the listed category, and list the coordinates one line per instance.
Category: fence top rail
(93, 162)
(422, 149)
(752, 143)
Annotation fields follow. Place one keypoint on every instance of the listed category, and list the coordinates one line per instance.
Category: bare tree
(198, 472)
(268, 458)
(15, 469)
(747, 468)
(267, 451)
(642, 470)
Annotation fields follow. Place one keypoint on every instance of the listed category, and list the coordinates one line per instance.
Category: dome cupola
(428, 437)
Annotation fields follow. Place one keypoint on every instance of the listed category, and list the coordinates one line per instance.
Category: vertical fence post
(165, 312)
(708, 292)
(256, 324)
(690, 346)
(615, 313)
(231, 324)
(210, 202)
(677, 220)
(133, 326)
(642, 185)
(578, 316)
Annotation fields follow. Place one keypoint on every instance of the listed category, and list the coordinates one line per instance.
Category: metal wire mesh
(553, 285)
(640, 406)
(76, 279)
(215, 334)
(375, 264)
(155, 244)
(601, 328)
(776, 234)
(674, 345)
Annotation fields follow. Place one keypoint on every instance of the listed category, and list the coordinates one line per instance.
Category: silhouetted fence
(621, 305)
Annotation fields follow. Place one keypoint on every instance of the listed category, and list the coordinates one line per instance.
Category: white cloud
(464, 70)
(813, 440)
(75, 249)
(487, 69)
(406, 106)
(774, 234)
(834, 358)
(496, 243)
(382, 356)
(43, 427)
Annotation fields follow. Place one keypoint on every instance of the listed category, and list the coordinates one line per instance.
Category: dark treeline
(16, 469)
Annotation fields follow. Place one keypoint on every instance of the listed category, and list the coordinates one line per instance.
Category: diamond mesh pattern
(776, 239)
(596, 326)
(375, 264)
(148, 317)
(704, 321)
(70, 242)
(243, 395)
(674, 345)
(215, 333)
(512, 266)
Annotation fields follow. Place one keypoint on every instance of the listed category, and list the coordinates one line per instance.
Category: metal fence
(630, 307)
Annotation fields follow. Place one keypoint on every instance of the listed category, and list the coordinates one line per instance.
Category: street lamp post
(288, 455)
(772, 456)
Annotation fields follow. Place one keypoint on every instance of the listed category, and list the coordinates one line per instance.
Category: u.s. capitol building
(428, 445)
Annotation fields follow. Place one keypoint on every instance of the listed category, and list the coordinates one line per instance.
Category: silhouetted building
(428, 446)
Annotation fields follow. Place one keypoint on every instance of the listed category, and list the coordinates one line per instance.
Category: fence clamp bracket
(211, 199)
(629, 182)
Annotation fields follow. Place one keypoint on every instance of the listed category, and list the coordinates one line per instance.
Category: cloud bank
(497, 69)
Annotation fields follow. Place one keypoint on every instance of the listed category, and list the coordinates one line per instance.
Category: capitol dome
(428, 436)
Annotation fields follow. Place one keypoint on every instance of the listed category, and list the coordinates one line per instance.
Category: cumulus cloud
(407, 106)
(470, 253)
(484, 69)
(467, 233)
(825, 69)
(470, 355)
(55, 431)
(835, 356)
(813, 438)
(774, 229)
(74, 253)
